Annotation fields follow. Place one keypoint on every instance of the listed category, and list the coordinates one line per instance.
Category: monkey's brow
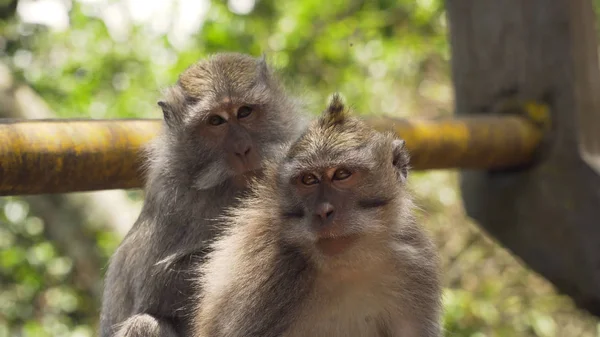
(204, 107)
(200, 110)
(207, 106)
(299, 168)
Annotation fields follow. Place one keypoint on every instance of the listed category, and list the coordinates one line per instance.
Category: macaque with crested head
(222, 119)
(325, 246)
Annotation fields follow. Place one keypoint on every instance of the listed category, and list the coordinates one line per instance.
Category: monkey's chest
(355, 314)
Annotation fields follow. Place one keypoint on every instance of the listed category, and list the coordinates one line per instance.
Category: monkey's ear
(173, 105)
(400, 158)
(167, 113)
(164, 107)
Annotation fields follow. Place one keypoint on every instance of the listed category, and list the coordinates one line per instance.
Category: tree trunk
(535, 50)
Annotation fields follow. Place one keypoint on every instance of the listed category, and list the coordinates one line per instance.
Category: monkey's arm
(259, 299)
(151, 303)
(419, 307)
(233, 314)
(162, 305)
(159, 302)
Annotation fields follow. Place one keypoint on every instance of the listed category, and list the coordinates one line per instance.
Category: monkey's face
(339, 197)
(231, 137)
(226, 115)
(230, 128)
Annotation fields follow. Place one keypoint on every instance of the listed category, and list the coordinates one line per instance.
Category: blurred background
(110, 58)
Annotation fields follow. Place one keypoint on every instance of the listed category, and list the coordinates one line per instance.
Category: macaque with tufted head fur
(326, 245)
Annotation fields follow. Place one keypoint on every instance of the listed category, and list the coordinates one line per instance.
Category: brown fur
(189, 184)
(266, 277)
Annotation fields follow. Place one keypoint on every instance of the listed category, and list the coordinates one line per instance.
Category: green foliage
(39, 294)
(385, 56)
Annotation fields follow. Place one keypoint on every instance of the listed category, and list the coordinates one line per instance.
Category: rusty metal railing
(57, 156)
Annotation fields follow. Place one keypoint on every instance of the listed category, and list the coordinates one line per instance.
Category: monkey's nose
(243, 151)
(325, 211)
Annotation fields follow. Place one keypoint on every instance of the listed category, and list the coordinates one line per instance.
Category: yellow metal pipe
(57, 156)
(487, 142)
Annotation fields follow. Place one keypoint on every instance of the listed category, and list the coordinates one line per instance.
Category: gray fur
(148, 282)
(143, 325)
(265, 276)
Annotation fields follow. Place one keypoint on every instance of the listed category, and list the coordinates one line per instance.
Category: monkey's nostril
(325, 211)
(243, 152)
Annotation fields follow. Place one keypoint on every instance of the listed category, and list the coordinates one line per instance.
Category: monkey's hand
(145, 325)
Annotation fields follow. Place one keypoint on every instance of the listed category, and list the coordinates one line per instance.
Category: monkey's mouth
(334, 245)
(244, 169)
(244, 166)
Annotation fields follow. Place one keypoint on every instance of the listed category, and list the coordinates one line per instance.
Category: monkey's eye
(341, 174)
(244, 111)
(309, 179)
(216, 120)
